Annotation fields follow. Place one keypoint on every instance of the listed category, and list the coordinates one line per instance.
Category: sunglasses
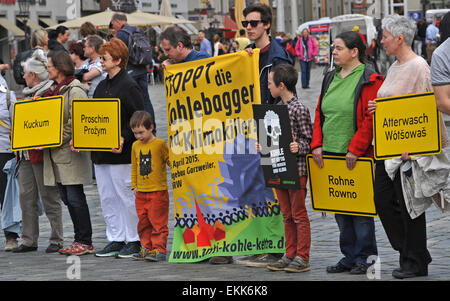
(253, 23)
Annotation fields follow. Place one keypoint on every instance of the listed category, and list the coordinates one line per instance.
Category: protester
(258, 21)
(58, 37)
(177, 46)
(87, 29)
(431, 40)
(306, 49)
(64, 167)
(205, 44)
(242, 40)
(31, 172)
(38, 40)
(282, 83)
(440, 67)
(94, 74)
(409, 74)
(342, 127)
(76, 50)
(149, 157)
(137, 72)
(113, 169)
(5, 153)
(218, 46)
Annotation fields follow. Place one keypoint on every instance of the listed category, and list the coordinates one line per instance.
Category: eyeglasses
(253, 23)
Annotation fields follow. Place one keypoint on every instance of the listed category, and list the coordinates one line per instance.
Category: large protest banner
(221, 204)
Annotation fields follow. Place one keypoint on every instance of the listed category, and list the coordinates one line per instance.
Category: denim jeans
(5, 157)
(74, 198)
(306, 72)
(141, 80)
(357, 239)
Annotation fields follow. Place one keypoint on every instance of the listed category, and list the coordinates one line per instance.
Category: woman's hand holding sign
(317, 156)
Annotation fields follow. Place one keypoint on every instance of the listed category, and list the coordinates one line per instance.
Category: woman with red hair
(113, 169)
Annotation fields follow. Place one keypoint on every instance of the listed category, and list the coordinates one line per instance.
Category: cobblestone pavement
(324, 250)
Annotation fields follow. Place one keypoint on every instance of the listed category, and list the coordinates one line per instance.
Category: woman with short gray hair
(402, 219)
(31, 174)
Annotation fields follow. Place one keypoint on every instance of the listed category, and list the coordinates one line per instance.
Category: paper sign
(37, 123)
(335, 188)
(408, 123)
(96, 124)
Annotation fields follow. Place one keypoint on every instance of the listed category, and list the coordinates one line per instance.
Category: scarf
(39, 89)
(64, 82)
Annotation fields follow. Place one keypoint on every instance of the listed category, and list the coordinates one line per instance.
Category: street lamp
(24, 7)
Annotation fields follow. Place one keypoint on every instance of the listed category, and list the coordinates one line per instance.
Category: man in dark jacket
(258, 20)
(137, 72)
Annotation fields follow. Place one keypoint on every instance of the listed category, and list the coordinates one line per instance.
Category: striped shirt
(301, 129)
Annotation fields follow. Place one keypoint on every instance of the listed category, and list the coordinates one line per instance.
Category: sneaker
(280, 265)
(64, 251)
(298, 265)
(111, 249)
(246, 259)
(262, 260)
(130, 249)
(156, 256)
(143, 254)
(80, 249)
(23, 249)
(11, 244)
(53, 248)
(221, 260)
(337, 268)
(359, 269)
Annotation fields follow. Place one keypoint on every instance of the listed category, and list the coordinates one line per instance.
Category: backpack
(139, 47)
(18, 69)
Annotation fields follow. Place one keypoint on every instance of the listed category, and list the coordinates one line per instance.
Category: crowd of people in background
(102, 67)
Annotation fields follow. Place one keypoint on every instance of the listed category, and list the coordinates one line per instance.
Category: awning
(30, 23)
(16, 31)
(48, 21)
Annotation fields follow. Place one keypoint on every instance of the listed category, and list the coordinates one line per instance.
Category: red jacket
(367, 88)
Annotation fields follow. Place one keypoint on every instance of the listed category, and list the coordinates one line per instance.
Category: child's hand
(258, 147)
(294, 147)
(135, 191)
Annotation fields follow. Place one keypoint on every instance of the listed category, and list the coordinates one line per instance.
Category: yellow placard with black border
(96, 124)
(334, 188)
(408, 123)
(37, 123)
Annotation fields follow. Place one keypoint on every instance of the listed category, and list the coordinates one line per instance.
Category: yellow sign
(335, 188)
(96, 124)
(37, 123)
(408, 123)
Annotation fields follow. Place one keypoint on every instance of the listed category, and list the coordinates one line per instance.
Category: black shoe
(359, 269)
(53, 248)
(338, 268)
(130, 249)
(23, 249)
(111, 249)
(400, 274)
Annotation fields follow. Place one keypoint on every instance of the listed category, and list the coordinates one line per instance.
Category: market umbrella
(165, 20)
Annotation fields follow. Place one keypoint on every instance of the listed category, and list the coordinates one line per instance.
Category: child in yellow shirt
(149, 157)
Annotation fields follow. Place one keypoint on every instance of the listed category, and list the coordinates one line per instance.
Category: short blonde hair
(38, 38)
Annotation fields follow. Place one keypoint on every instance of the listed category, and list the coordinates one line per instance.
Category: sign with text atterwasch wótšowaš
(335, 188)
(96, 124)
(37, 123)
(408, 123)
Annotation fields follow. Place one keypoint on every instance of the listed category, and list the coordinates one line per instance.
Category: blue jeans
(357, 239)
(141, 80)
(74, 198)
(306, 72)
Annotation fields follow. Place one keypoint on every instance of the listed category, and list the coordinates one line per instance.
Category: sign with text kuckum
(96, 124)
(408, 123)
(221, 204)
(37, 123)
(335, 188)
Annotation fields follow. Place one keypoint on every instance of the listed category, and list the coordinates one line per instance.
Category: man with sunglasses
(258, 21)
